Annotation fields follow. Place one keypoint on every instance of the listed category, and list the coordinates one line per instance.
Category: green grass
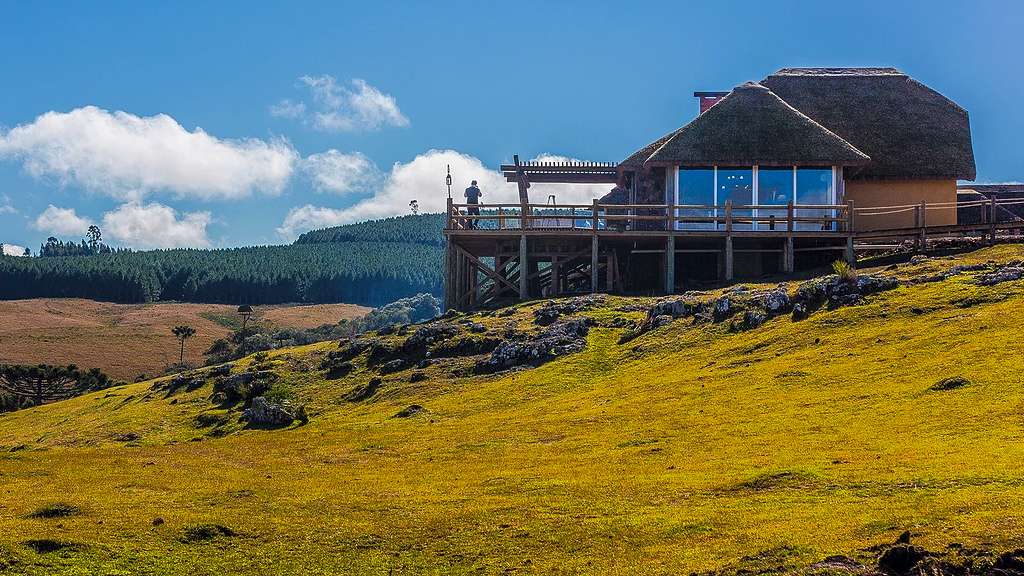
(689, 448)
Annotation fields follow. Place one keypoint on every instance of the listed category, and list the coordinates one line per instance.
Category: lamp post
(448, 180)
(245, 312)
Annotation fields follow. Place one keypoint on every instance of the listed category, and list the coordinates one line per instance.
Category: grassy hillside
(126, 340)
(695, 446)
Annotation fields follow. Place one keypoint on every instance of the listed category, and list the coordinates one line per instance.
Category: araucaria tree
(183, 333)
(44, 383)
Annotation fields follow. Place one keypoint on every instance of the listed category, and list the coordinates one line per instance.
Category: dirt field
(126, 340)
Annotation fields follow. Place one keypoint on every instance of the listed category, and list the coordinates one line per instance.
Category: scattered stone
(951, 383)
(222, 370)
(464, 346)
(722, 308)
(559, 339)
(158, 521)
(900, 559)
(478, 327)
(365, 392)
(393, 366)
(753, 319)
(507, 312)
(262, 411)
(1005, 274)
(428, 335)
(661, 320)
(417, 376)
(410, 411)
(554, 309)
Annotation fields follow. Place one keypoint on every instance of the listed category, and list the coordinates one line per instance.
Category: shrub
(844, 270)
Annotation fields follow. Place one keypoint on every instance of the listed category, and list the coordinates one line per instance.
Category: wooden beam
(524, 268)
(670, 265)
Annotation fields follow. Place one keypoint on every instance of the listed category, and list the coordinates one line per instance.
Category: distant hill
(421, 229)
(370, 263)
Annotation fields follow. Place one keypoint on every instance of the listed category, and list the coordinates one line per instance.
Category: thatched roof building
(879, 118)
(754, 126)
(910, 131)
(888, 139)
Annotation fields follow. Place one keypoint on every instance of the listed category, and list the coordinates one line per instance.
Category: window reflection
(774, 188)
(814, 187)
(737, 185)
(697, 187)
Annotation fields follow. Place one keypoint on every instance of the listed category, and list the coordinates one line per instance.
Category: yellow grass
(690, 448)
(126, 340)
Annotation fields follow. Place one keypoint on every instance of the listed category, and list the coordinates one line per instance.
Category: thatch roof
(910, 131)
(751, 126)
(637, 159)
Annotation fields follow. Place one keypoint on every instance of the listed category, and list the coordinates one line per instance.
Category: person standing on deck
(473, 195)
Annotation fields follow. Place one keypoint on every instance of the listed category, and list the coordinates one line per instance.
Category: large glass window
(814, 187)
(696, 188)
(737, 185)
(774, 188)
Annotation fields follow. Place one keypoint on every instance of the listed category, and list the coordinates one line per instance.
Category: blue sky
(225, 124)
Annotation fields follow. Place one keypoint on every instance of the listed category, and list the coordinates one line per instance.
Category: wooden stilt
(593, 263)
(524, 268)
(670, 264)
(790, 260)
(728, 258)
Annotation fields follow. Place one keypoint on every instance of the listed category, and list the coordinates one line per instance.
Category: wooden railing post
(849, 216)
(594, 215)
(448, 219)
(671, 216)
(728, 216)
(501, 221)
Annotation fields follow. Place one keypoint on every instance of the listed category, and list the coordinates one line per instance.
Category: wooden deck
(573, 249)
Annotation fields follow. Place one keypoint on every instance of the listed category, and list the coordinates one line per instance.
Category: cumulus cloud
(333, 171)
(62, 222)
(128, 156)
(423, 180)
(154, 225)
(304, 218)
(13, 250)
(337, 108)
(5, 205)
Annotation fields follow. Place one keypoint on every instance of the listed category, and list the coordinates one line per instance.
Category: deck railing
(762, 218)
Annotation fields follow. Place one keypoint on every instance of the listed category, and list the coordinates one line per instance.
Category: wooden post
(609, 268)
(992, 224)
(594, 215)
(670, 263)
(728, 240)
(593, 263)
(790, 263)
(449, 300)
(851, 257)
(728, 258)
(524, 269)
(448, 219)
(501, 221)
(554, 277)
(789, 216)
(924, 227)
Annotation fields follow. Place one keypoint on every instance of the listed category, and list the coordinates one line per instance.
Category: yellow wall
(871, 194)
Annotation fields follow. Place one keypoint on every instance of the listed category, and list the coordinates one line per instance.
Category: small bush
(56, 510)
(46, 545)
(206, 532)
(260, 356)
(844, 270)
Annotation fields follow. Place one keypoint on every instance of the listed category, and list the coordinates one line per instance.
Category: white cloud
(304, 218)
(62, 222)
(128, 156)
(423, 180)
(5, 205)
(13, 250)
(333, 171)
(153, 225)
(340, 109)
